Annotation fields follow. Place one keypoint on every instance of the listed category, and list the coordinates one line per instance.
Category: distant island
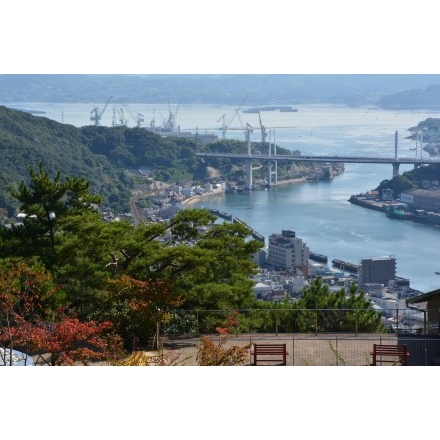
(405, 91)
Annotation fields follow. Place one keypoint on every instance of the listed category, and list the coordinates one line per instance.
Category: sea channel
(319, 213)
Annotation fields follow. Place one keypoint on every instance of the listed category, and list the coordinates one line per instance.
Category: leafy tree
(27, 294)
(84, 259)
(134, 307)
(325, 311)
(222, 265)
(31, 320)
(103, 267)
(212, 273)
(398, 183)
(45, 202)
(69, 341)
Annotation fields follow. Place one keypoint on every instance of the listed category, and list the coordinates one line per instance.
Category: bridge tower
(272, 176)
(248, 160)
(396, 163)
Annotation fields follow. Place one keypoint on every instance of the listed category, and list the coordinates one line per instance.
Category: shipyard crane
(118, 114)
(138, 119)
(153, 122)
(169, 125)
(226, 125)
(263, 129)
(96, 114)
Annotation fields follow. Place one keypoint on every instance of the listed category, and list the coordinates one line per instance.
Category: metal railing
(314, 321)
(314, 337)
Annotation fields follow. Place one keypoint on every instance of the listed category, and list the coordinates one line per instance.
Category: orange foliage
(139, 295)
(230, 325)
(211, 354)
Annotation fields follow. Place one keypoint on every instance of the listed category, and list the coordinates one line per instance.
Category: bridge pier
(248, 174)
(395, 164)
(272, 177)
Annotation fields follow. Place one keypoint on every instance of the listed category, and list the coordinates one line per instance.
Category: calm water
(319, 213)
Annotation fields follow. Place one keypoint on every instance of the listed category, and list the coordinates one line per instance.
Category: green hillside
(27, 140)
(101, 155)
(107, 157)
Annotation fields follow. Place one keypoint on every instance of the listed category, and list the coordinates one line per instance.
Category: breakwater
(361, 200)
(225, 216)
(345, 265)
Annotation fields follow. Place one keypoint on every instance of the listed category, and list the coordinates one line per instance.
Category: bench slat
(399, 351)
(269, 350)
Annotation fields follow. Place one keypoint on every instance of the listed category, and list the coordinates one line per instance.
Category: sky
(195, 36)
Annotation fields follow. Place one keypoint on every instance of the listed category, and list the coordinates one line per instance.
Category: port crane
(168, 126)
(244, 126)
(118, 114)
(138, 119)
(96, 113)
(263, 129)
(226, 125)
(248, 128)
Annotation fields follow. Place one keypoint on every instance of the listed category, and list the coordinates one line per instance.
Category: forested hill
(101, 155)
(428, 98)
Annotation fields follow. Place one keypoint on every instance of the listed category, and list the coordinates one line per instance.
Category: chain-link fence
(317, 321)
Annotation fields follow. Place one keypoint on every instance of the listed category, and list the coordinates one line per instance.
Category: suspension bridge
(389, 151)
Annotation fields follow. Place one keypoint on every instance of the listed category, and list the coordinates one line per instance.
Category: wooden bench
(277, 352)
(381, 351)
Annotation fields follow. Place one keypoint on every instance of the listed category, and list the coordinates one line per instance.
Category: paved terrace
(320, 350)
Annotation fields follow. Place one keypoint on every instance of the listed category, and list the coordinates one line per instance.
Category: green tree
(325, 311)
(45, 202)
(205, 265)
(221, 266)
(398, 183)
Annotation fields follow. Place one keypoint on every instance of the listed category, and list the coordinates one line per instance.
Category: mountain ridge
(350, 89)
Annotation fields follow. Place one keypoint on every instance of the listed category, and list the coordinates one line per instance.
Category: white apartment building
(286, 251)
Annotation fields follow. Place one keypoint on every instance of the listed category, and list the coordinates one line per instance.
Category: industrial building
(426, 199)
